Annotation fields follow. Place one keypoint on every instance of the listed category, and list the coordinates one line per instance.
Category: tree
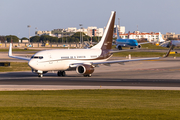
(2, 39)
(24, 38)
(35, 39)
(44, 38)
(12, 37)
(95, 39)
(53, 39)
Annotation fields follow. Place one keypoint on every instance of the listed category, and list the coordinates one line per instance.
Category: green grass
(18, 50)
(151, 46)
(143, 54)
(16, 66)
(90, 104)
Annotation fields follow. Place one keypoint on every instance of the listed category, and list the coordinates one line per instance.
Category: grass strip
(15, 66)
(143, 54)
(18, 50)
(90, 104)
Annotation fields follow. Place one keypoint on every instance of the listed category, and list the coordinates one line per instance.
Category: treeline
(46, 38)
(10, 38)
(69, 39)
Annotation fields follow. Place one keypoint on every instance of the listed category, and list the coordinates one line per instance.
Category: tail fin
(160, 38)
(118, 37)
(106, 40)
(10, 50)
(128, 34)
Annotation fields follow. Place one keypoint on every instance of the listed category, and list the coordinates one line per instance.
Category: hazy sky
(150, 15)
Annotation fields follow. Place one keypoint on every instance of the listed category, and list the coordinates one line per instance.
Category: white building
(39, 33)
(138, 35)
(72, 29)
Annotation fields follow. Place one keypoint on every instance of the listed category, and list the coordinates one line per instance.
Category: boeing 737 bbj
(82, 60)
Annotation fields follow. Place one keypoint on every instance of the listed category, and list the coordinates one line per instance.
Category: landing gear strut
(40, 75)
(61, 73)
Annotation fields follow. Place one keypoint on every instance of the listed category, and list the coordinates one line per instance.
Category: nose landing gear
(40, 75)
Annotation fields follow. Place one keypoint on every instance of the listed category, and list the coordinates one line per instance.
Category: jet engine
(139, 46)
(85, 69)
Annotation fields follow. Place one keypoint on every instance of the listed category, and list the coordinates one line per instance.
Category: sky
(46, 15)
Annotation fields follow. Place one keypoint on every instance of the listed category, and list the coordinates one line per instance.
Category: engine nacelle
(139, 46)
(119, 47)
(85, 69)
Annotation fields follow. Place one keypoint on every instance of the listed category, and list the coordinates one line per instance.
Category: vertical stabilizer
(128, 34)
(10, 50)
(106, 40)
(160, 38)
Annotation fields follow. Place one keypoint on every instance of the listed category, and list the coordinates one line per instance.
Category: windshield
(37, 57)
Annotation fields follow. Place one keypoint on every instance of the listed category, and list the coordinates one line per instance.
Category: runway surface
(155, 75)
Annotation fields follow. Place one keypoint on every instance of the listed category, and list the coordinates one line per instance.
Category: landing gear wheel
(131, 47)
(89, 75)
(119, 47)
(61, 73)
(40, 75)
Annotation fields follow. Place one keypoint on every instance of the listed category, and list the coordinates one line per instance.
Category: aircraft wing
(121, 61)
(116, 51)
(175, 42)
(125, 60)
(145, 43)
(17, 57)
(107, 63)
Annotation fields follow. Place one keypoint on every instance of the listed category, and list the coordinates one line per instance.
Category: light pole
(82, 36)
(29, 31)
(80, 33)
(98, 35)
(119, 25)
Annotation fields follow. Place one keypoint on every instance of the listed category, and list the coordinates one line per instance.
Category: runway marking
(156, 69)
(74, 87)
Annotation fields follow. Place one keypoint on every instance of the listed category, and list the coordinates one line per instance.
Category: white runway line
(64, 87)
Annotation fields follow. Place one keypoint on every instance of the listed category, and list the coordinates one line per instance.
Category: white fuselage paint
(61, 59)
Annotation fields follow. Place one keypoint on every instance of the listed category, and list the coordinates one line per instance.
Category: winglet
(10, 50)
(172, 47)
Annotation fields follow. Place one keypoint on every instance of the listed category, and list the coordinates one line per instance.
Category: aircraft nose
(136, 44)
(32, 63)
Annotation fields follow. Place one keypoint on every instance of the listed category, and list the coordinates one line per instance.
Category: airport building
(141, 35)
(171, 35)
(90, 31)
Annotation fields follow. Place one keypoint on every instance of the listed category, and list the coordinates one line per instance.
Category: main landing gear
(89, 75)
(61, 73)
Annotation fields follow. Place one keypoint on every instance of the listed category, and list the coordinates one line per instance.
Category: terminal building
(141, 35)
(91, 31)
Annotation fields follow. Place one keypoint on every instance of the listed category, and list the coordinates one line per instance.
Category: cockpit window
(37, 57)
(40, 57)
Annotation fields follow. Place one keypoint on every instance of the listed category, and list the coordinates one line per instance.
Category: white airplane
(82, 60)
